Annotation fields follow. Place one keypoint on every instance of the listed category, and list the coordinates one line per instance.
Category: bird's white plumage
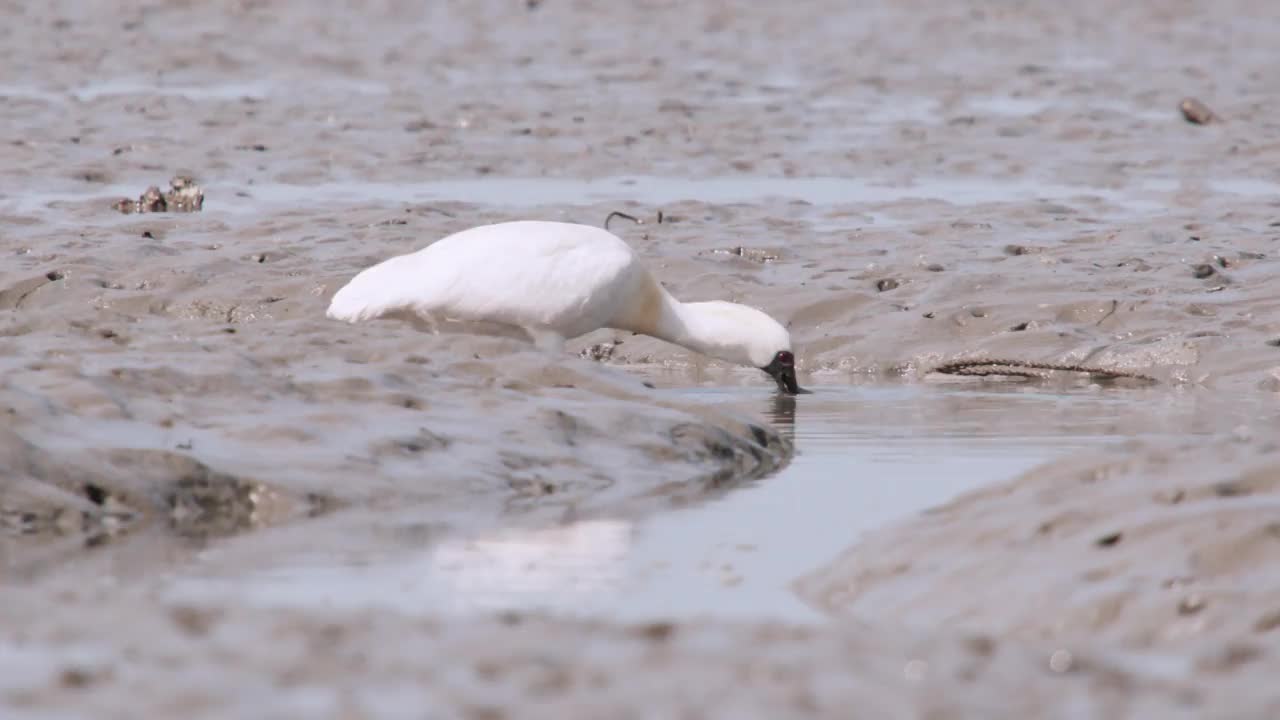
(552, 277)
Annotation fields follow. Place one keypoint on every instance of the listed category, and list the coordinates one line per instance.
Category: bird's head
(744, 335)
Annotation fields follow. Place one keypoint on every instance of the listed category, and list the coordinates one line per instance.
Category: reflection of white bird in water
(556, 281)
(567, 566)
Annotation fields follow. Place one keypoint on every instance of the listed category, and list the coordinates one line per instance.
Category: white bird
(556, 281)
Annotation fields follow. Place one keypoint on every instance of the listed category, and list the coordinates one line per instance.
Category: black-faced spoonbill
(556, 281)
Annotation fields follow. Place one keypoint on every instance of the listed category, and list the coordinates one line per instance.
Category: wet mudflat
(217, 503)
(865, 457)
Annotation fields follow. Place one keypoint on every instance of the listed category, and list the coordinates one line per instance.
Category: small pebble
(1109, 540)
(1268, 622)
(1202, 271)
(1060, 661)
(1191, 604)
(1196, 112)
(95, 493)
(915, 670)
(658, 631)
(74, 677)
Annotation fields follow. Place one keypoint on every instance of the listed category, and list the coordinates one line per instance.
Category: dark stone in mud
(1268, 622)
(1110, 540)
(886, 284)
(96, 494)
(657, 631)
(980, 645)
(1230, 489)
(423, 441)
(194, 621)
(76, 677)
(416, 126)
(1202, 271)
(95, 175)
(184, 195)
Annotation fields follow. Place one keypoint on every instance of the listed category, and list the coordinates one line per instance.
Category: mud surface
(905, 184)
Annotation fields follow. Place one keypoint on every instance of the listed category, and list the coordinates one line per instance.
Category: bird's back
(567, 277)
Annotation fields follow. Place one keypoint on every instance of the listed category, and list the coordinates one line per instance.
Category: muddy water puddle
(1143, 196)
(866, 456)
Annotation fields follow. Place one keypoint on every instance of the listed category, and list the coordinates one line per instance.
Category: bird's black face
(783, 370)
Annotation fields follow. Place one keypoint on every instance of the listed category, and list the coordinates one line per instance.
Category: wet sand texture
(905, 183)
(1146, 547)
(208, 662)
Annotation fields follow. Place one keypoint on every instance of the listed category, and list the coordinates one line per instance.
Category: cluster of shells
(184, 195)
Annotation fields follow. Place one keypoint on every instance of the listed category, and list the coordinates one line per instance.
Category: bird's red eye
(786, 358)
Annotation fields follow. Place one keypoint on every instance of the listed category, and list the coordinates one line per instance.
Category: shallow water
(866, 457)
(1144, 196)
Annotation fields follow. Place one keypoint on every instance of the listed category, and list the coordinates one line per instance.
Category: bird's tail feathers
(372, 293)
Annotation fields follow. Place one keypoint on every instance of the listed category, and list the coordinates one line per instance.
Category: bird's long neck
(657, 314)
(685, 324)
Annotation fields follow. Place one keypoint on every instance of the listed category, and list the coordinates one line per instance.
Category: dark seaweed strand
(624, 216)
(1028, 368)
